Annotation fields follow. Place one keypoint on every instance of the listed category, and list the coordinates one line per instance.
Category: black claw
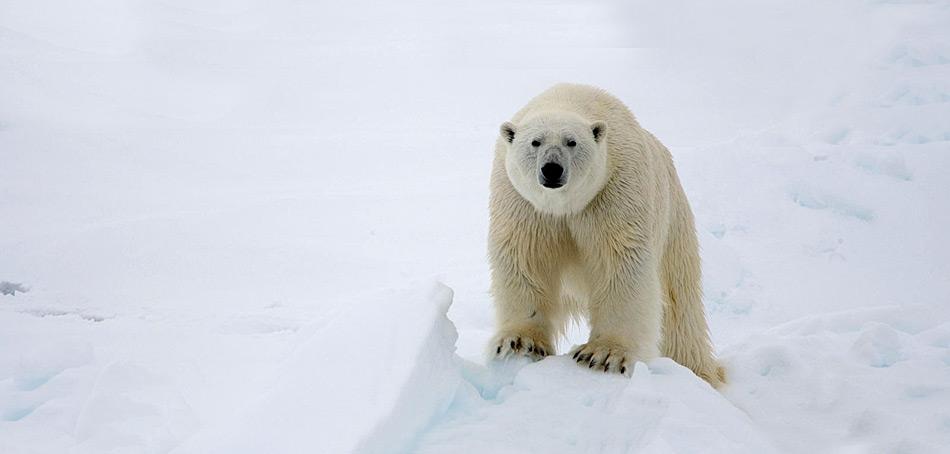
(591, 366)
(519, 343)
(498, 352)
(531, 349)
(623, 370)
(577, 353)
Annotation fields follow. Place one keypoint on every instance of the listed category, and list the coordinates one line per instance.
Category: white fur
(616, 244)
(586, 178)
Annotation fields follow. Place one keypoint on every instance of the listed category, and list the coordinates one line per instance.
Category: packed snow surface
(249, 226)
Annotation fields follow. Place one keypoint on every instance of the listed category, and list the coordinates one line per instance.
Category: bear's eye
(571, 143)
(535, 143)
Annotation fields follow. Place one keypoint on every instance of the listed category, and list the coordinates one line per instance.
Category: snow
(357, 394)
(566, 409)
(229, 217)
(869, 380)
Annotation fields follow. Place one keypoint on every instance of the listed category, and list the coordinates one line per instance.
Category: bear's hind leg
(685, 331)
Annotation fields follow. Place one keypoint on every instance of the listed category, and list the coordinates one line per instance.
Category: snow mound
(363, 382)
(410, 392)
(555, 406)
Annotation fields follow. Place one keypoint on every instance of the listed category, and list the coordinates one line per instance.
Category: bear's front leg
(625, 316)
(524, 314)
(531, 341)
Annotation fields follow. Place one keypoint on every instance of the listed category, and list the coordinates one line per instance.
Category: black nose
(552, 171)
(551, 175)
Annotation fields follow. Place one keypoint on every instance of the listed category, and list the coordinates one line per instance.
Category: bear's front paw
(528, 344)
(604, 356)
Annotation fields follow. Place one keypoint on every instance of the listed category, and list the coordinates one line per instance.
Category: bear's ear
(599, 130)
(508, 131)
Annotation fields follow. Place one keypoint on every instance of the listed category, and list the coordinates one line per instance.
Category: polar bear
(588, 219)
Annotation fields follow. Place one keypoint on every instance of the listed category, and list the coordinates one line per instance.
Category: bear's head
(557, 161)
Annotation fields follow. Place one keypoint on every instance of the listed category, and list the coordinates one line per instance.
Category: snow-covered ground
(222, 224)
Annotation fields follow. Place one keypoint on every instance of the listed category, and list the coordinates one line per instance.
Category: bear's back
(592, 103)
